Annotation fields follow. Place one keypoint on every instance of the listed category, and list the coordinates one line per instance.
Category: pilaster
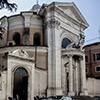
(4, 85)
(27, 17)
(32, 82)
(54, 57)
(9, 77)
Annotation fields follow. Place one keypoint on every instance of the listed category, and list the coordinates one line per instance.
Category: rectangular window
(98, 69)
(96, 56)
(86, 58)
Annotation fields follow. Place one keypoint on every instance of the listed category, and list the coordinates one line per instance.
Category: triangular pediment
(72, 11)
(69, 12)
(67, 9)
(20, 53)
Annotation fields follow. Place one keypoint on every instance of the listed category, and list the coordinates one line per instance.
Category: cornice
(20, 58)
(27, 48)
(72, 52)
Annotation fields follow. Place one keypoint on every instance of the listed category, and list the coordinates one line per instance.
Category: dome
(36, 7)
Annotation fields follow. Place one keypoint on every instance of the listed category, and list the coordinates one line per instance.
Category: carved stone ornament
(26, 40)
(2, 30)
(53, 23)
(80, 42)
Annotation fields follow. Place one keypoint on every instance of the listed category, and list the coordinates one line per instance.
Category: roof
(92, 44)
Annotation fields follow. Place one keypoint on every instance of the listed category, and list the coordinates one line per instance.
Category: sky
(90, 9)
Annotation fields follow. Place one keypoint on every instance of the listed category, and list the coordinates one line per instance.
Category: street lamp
(2, 30)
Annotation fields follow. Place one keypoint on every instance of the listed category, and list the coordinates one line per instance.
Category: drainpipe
(35, 56)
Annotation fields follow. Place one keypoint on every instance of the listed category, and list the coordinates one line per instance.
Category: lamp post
(2, 30)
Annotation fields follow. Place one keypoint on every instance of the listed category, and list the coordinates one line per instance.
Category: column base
(71, 93)
(50, 92)
(54, 92)
(58, 91)
(84, 92)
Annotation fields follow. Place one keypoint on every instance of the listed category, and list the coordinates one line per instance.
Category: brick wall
(90, 50)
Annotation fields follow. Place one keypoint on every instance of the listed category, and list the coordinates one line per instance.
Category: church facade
(41, 53)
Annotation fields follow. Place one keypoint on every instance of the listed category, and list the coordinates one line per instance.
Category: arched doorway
(20, 89)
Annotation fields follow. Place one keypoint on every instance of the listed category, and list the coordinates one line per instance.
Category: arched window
(65, 42)
(21, 72)
(16, 38)
(36, 39)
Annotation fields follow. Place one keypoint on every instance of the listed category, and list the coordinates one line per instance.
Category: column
(83, 77)
(71, 92)
(77, 78)
(54, 58)
(9, 78)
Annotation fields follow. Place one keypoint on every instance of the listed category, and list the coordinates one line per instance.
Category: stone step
(82, 98)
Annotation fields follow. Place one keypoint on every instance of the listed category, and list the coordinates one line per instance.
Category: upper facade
(29, 28)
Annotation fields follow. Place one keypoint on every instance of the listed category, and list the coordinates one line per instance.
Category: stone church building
(41, 53)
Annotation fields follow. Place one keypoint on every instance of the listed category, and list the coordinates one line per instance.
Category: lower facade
(23, 79)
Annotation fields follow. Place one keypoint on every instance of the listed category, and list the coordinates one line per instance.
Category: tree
(7, 5)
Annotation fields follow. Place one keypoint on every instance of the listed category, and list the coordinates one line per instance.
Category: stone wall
(93, 86)
(40, 83)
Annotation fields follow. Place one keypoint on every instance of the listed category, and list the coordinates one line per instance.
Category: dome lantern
(36, 7)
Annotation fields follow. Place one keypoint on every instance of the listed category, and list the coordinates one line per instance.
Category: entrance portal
(20, 90)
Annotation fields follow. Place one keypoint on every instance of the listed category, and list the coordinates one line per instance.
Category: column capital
(81, 58)
(69, 55)
(52, 23)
